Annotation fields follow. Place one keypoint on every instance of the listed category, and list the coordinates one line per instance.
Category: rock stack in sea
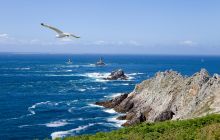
(169, 95)
(117, 74)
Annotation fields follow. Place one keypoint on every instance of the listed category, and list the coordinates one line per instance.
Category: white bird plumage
(60, 34)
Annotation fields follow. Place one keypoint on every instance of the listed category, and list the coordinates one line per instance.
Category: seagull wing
(74, 36)
(52, 28)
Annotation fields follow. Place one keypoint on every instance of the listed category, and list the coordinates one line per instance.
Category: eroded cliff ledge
(169, 95)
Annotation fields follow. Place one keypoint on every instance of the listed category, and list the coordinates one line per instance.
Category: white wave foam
(101, 80)
(116, 122)
(60, 75)
(80, 119)
(125, 84)
(71, 102)
(15, 118)
(94, 105)
(57, 123)
(22, 126)
(81, 89)
(89, 65)
(25, 68)
(61, 134)
(47, 104)
(31, 109)
(70, 109)
(115, 95)
(104, 88)
(92, 88)
(130, 78)
(68, 70)
(21, 117)
(133, 74)
(110, 111)
(70, 66)
(97, 75)
(122, 84)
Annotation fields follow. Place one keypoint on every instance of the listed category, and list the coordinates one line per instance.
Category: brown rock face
(169, 95)
(166, 115)
(112, 103)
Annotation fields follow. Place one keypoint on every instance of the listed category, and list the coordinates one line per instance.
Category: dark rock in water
(114, 102)
(123, 117)
(118, 74)
(166, 115)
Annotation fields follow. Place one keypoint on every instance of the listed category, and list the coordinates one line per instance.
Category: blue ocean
(43, 97)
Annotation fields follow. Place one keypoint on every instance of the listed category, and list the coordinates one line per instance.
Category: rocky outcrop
(114, 102)
(115, 75)
(169, 95)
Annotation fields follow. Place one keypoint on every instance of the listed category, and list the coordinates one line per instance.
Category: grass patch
(207, 128)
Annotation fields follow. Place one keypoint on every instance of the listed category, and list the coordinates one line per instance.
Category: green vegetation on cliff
(205, 128)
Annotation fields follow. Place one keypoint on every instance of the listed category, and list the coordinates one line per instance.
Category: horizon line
(140, 54)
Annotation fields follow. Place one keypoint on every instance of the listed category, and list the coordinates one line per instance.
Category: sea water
(43, 97)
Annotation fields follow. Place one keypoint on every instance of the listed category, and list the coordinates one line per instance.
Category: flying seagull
(60, 34)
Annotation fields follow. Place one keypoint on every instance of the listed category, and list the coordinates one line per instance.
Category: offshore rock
(115, 75)
(169, 96)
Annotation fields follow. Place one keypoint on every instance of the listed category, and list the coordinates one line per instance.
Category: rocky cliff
(169, 95)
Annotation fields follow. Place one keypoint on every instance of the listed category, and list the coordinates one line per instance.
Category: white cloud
(135, 43)
(65, 39)
(100, 42)
(7, 39)
(4, 36)
(188, 43)
(118, 43)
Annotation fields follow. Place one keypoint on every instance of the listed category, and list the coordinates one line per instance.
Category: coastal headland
(169, 95)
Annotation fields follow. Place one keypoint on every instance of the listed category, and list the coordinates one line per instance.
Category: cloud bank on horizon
(128, 27)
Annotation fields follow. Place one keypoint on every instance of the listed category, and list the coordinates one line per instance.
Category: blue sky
(114, 26)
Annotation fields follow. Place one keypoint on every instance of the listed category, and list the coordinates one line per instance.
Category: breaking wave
(113, 95)
(61, 134)
(48, 105)
(110, 111)
(117, 123)
(57, 123)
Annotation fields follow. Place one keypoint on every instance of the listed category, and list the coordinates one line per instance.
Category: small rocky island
(117, 74)
(169, 95)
